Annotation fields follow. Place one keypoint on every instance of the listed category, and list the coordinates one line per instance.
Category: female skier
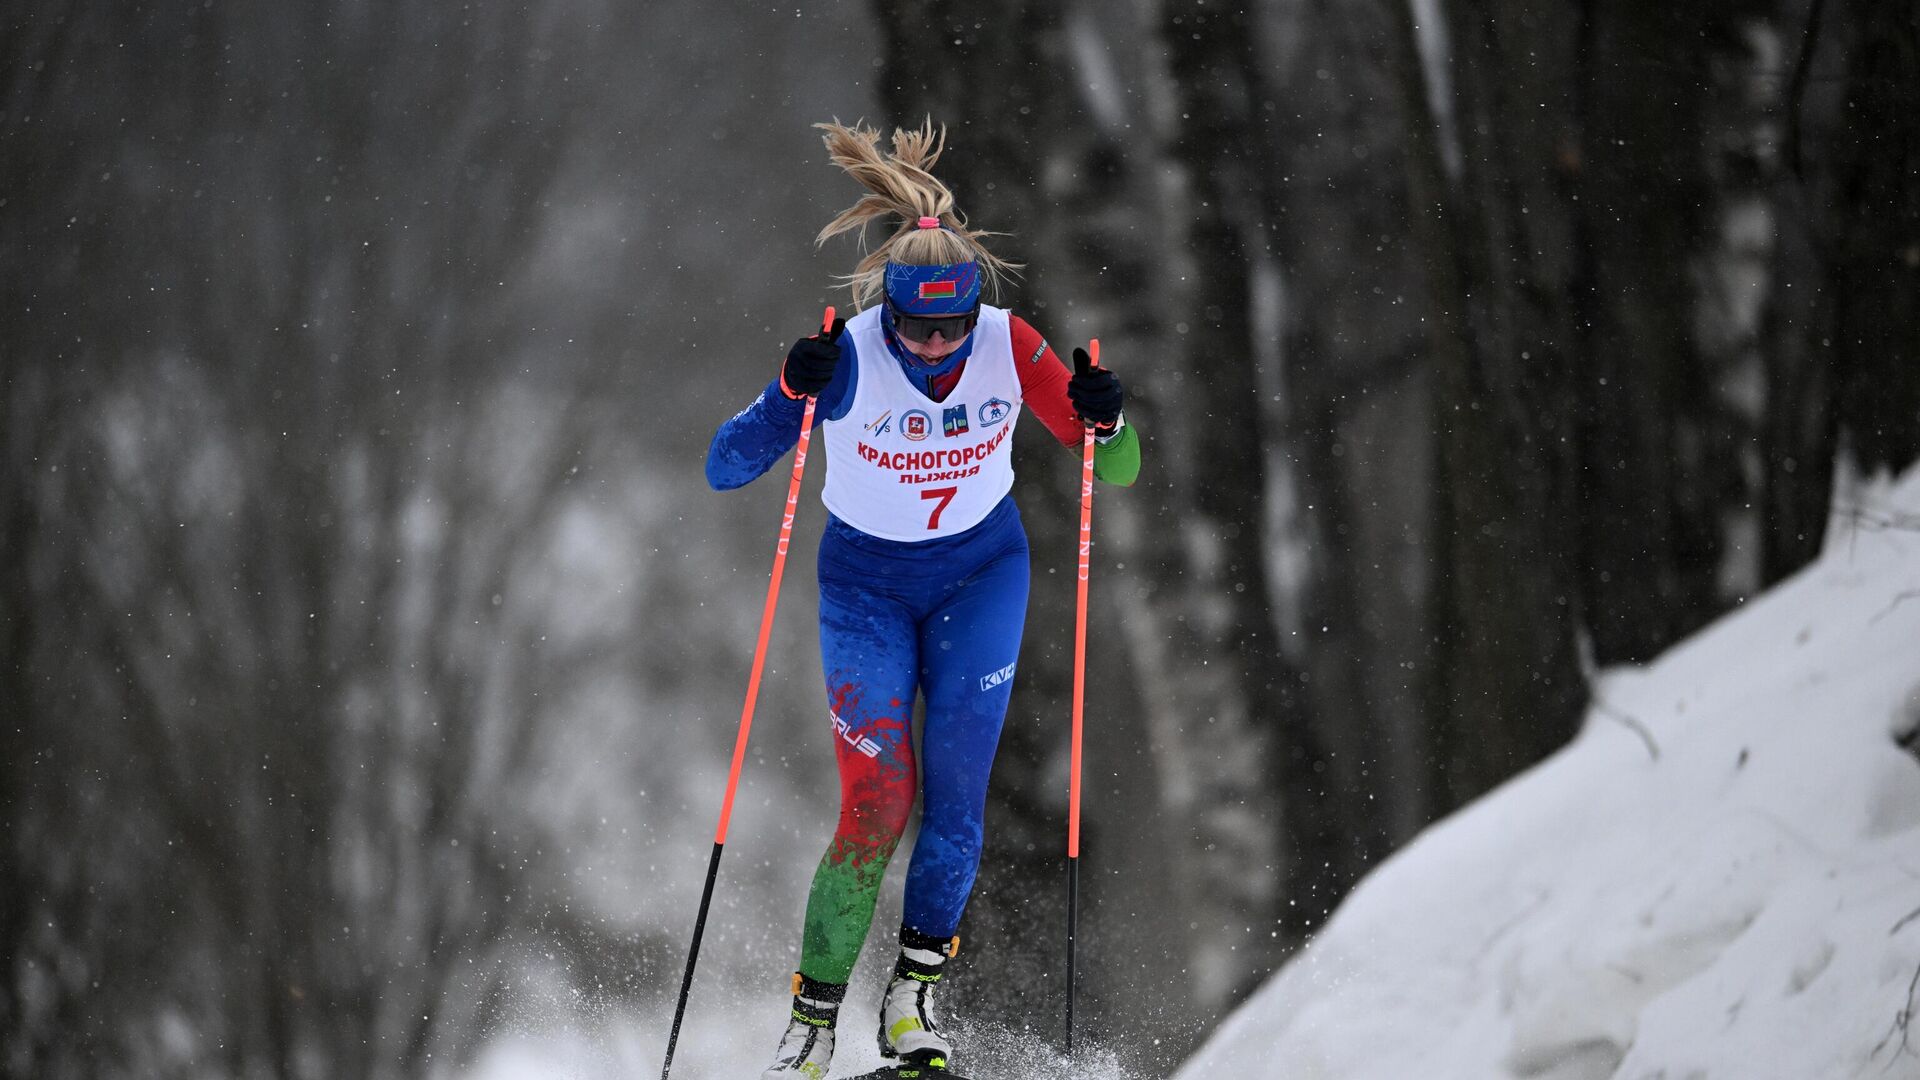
(923, 567)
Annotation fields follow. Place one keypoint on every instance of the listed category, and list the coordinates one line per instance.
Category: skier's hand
(810, 363)
(1096, 393)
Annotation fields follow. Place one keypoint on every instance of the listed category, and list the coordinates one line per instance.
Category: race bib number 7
(945, 495)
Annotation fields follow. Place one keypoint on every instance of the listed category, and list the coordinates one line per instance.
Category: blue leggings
(942, 618)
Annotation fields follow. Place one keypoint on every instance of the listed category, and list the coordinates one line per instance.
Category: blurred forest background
(372, 645)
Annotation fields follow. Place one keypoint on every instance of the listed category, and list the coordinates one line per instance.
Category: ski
(909, 1072)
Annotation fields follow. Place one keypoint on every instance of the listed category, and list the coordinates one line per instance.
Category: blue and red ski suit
(942, 618)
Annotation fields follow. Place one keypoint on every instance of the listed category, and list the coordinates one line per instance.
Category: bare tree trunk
(1349, 432)
(1657, 450)
(1248, 734)
(1875, 270)
(1507, 687)
(1843, 351)
(28, 409)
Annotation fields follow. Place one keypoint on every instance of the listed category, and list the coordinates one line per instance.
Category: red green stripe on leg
(846, 886)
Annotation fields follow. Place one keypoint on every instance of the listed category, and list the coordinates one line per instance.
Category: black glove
(1095, 392)
(810, 363)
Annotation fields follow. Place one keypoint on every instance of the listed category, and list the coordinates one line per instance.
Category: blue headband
(953, 289)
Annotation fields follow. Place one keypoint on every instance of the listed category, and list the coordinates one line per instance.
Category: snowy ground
(1720, 878)
(734, 1020)
(737, 1047)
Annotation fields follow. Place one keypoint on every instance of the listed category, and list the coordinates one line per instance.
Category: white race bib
(902, 466)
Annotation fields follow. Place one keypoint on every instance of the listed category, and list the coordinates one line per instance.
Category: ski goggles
(920, 329)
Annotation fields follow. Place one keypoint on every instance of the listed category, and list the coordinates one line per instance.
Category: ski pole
(1079, 702)
(746, 712)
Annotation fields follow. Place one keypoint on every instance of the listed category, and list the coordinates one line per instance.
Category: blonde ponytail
(902, 184)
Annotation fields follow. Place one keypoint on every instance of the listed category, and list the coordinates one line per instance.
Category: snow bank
(1720, 878)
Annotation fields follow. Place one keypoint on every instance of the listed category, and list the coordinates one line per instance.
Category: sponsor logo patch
(939, 290)
(988, 682)
(916, 425)
(993, 412)
(953, 420)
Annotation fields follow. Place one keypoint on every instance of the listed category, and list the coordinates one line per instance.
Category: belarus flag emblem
(938, 290)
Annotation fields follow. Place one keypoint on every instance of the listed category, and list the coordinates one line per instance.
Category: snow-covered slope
(1720, 878)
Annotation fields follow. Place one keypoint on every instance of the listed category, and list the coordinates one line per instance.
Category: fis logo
(858, 742)
(988, 682)
(916, 425)
(954, 421)
(881, 424)
(993, 412)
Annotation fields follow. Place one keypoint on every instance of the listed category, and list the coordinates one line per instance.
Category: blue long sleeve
(755, 438)
(760, 434)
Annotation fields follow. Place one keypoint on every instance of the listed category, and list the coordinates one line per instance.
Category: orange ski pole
(746, 712)
(1079, 703)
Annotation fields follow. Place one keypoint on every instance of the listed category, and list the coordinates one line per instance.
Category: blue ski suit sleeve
(760, 434)
(754, 439)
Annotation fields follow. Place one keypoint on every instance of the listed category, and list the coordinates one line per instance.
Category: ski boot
(806, 1050)
(907, 1028)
